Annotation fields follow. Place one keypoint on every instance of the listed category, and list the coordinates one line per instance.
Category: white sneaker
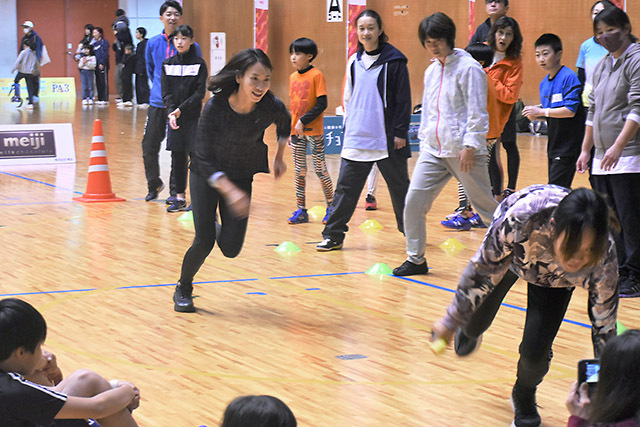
(85, 102)
(144, 105)
(127, 104)
(89, 101)
(29, 107)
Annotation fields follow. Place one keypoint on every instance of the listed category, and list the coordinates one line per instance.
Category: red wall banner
(261, 25)
(472, 17)
(354, 9)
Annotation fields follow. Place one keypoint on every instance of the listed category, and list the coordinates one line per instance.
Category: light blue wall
(8, 36)
(142, 13)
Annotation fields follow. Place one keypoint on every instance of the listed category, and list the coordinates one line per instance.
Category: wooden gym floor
(103, 275)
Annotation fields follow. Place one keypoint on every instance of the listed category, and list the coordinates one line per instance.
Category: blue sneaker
(299, 217)
(476, 221)
(326, 217)
(457, 223)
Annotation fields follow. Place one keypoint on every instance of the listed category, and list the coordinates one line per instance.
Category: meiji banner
(36, 144)
(354, 9)
(261, 25)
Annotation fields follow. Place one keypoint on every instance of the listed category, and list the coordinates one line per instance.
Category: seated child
(258, 411)
(84, 394)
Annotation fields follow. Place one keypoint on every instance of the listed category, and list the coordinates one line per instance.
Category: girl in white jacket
(452, 134)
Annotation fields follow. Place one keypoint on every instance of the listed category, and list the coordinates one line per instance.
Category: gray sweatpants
(430, 176)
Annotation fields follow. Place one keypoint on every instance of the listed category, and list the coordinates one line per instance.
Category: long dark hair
(383, 38)
(258, 411)
(614, 17)
(87, 38)
(617, 397)
(515, 48)
(224, 83)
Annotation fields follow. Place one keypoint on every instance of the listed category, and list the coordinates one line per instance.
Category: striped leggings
(299, 150)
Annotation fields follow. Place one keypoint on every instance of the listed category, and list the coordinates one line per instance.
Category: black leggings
(545, 310)
(229, 232)
(508, 138)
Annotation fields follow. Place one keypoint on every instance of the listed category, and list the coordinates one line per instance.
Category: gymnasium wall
(62, 22)
(289, 19)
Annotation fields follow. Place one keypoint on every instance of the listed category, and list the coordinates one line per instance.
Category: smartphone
(588, 371)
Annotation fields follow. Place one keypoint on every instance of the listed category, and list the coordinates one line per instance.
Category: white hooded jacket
(454, 106)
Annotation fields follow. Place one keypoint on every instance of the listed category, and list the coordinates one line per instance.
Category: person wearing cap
(31, 35)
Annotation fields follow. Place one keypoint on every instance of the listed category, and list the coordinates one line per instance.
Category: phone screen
(589, 371)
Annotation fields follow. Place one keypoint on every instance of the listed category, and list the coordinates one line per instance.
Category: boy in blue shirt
(560, 103)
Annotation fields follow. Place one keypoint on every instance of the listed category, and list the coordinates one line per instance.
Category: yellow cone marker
(439, 346)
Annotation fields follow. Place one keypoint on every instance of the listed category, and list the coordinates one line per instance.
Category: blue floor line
(315, 275)
(504, 304)
(39, 182)
(49, 292)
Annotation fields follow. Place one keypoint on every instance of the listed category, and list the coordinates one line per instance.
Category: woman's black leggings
(229, 232)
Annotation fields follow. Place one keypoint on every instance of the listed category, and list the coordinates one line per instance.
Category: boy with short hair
(560, 103)
(453, 128)
(158, 49)
(22, 333)
(308, 97)
(142, 80)
(184, 78)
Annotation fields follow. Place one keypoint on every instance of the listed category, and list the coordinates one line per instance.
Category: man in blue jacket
(159, 48)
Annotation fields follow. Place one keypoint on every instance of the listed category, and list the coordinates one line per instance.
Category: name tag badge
(556, 97)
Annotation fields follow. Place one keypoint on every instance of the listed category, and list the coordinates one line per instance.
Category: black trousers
(155, 130)
(102, 83)
(353, 176)
(562, 171)
(623, 196)
(32, 82)
(126, 82)
(546, 308)
(229, 233)
(142, 89)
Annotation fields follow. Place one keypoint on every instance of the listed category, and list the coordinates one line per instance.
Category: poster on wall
(334, 11)
(472, 17)
(261, 25)
(218, 53)
(355, 7)
(622, 4)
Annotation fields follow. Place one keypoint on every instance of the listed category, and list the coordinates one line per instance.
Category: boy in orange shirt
(308, 95)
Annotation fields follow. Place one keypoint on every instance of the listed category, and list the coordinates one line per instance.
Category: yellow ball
(439, 346)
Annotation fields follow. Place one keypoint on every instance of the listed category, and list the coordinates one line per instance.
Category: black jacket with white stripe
(183, 83)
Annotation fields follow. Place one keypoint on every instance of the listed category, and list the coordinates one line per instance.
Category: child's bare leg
(85, 383)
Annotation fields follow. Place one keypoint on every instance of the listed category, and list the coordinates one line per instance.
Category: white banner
(37, 144)
(218, 52)
(335, 12)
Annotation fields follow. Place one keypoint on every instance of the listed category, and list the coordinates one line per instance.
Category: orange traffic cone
(99, 182)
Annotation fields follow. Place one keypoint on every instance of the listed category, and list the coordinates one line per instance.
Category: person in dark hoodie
(184, 79)
(142, 80)
(123, 38)
(377, 101)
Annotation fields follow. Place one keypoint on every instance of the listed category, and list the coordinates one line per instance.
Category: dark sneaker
(178, 206)
(629, 287)
(464, 345)
(458, 222)
(476, 221)
(409, 269)
(153, 194)
(328, 245)
(299, 217)
(183, 300)
(525, 408)
(370, 203)
(171, 200)
(326, 217)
